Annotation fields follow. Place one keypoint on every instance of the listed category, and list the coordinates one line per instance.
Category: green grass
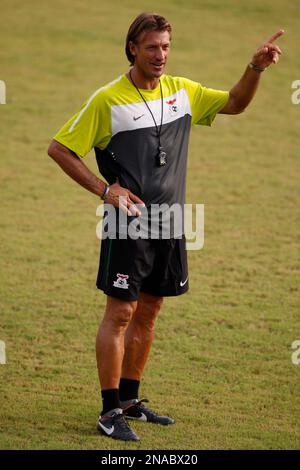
(221, 360)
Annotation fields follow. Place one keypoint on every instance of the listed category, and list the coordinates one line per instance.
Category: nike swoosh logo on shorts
(139, 117)
(183, 283)
(108, 431)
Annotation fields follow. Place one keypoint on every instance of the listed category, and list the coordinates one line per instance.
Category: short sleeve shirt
(116, 117)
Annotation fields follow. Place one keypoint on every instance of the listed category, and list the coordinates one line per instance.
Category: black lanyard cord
(158, 130)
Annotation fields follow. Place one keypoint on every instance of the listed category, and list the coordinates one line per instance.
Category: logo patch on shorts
(121, 281)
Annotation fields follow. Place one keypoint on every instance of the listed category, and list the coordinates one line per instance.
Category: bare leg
(110, 341)
(139, 336)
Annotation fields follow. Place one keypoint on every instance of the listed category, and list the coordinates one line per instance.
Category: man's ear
(132, 48)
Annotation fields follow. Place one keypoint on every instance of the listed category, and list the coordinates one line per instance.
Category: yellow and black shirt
(116, 118)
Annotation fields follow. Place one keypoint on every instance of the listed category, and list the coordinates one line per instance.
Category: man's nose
(160, 54)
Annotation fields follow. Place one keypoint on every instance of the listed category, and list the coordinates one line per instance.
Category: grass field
(221, 361)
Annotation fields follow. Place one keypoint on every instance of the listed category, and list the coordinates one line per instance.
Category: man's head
(148, 43)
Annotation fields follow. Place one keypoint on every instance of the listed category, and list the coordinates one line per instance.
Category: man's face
(151, 53)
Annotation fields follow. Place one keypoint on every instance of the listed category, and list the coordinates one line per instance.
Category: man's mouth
(158, 66)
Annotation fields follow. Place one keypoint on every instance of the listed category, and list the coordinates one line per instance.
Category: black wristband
(256, 67)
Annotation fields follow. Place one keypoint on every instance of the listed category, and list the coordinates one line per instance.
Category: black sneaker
(113, 424)
(135, 409)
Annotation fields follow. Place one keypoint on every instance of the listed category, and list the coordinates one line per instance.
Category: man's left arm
(243, 92)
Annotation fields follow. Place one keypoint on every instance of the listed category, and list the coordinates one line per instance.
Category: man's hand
(243, 92)
(268, 53)
(124, 199)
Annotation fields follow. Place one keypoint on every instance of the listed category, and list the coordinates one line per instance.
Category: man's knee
(119, 312)
(148, 308)
(151, 302)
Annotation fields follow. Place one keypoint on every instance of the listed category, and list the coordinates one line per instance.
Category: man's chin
(157, 73)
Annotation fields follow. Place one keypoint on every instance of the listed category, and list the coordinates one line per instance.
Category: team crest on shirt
(173, 108)
(121, 281)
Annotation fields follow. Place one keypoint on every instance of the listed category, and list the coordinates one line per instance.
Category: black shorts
(157, 267)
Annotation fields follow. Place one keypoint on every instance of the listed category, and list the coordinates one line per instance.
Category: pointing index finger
(276, 35)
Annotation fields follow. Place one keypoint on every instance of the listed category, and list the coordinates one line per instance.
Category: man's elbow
(52, 149)
(239, 109)
(237, 106)
(234, 106)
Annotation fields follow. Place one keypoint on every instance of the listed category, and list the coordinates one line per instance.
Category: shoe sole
(143, 421)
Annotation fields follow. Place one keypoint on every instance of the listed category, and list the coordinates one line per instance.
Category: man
(139, 127)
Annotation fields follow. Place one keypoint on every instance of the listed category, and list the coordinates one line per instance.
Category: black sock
(129, 389)
(110, 400)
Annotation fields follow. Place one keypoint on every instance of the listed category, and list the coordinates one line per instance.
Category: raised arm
(243, 92)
